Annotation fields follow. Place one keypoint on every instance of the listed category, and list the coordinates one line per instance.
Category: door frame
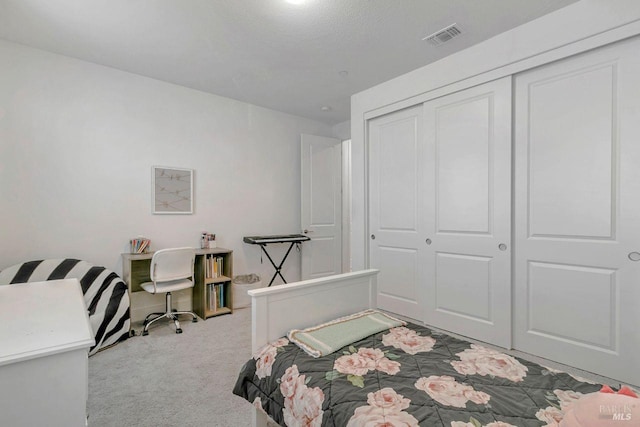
(346, 205)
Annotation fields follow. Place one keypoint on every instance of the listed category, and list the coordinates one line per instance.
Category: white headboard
(276, 310)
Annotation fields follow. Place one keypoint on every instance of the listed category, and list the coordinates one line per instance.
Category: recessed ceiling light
(295, 1)
(325, 108)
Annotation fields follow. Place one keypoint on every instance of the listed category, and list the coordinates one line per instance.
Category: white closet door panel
(397, 168)
(577, 183)
(552, 285)
(468, 219)
(463, 144)
(466, 275)
(396, 206)
(398, 285)
(572, 134)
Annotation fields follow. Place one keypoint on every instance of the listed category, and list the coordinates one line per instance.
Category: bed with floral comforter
(406, 376)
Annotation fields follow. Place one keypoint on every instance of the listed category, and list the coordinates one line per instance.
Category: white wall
(580, 26)
(342, 130)
(77, 142)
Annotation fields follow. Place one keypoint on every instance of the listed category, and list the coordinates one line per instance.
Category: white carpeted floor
(169, 379)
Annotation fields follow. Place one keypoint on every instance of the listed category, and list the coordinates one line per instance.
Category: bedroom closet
(527, 238)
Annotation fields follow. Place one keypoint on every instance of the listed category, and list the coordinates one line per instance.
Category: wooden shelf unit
(202, 297)
(135, 270)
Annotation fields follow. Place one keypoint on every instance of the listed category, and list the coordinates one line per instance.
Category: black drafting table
(263, 241)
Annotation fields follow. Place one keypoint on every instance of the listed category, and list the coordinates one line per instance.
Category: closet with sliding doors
(509, 212)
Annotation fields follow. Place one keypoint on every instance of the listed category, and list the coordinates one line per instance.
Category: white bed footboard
(298, 305)
(278, 309)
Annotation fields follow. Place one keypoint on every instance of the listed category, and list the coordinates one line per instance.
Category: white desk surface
(42, 318)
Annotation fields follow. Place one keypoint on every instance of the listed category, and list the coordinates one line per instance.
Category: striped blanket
(105, 294)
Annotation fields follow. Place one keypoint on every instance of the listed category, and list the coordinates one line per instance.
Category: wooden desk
(212, 295)
(44, 345)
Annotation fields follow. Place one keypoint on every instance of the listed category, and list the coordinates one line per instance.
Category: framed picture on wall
(171, 190)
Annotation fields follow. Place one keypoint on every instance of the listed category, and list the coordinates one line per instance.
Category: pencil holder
(139, 245)
(207, 241)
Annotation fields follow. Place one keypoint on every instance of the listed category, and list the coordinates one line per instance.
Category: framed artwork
(172, 190)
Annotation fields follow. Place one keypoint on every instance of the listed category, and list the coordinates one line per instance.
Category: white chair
(171, 270)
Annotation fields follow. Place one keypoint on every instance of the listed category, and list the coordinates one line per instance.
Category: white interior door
(468, 217)
(321, 216)
(396, 210)
(577, 274)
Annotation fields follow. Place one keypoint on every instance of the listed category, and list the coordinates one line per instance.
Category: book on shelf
(212, 298)
(216, 298)
(214, 267)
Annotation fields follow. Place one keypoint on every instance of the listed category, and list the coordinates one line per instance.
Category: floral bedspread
(407, 376)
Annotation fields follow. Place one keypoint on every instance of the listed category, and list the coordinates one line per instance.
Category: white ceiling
(270, 53)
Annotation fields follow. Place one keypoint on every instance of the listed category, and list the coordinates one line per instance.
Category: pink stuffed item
(605, 408)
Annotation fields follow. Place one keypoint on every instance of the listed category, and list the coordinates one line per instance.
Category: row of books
(216, 296)
(139, 245)
(214, 267)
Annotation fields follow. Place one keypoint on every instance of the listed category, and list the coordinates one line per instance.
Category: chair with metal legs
(171, 270)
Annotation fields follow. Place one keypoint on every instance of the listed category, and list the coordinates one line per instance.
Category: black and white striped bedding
(105, 294)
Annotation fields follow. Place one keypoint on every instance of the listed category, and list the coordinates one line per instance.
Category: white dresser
(45, 336)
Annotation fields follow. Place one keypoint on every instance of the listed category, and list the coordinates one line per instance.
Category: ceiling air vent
(443, 35)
